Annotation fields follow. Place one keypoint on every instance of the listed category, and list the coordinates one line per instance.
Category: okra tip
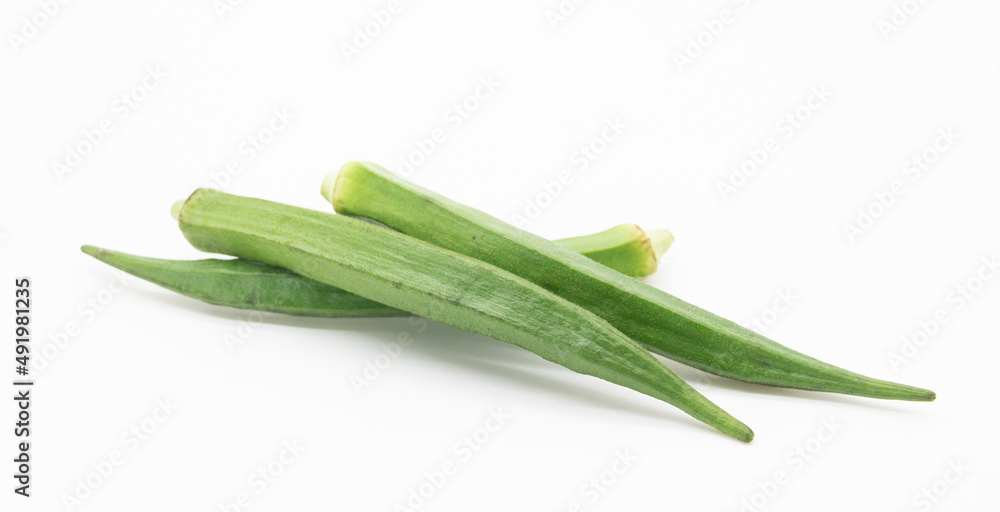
(739, 431)
(885, 390)
(748, 435)
(924, 395)
(90, 250)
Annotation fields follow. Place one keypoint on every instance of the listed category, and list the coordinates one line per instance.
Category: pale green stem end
(661, 239)
(175, 210)
(329, 185)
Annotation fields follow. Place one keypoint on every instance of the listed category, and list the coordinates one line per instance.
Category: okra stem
(661, 240)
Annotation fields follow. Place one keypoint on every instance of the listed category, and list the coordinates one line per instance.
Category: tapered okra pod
(243, 284)
(403, 272)
(664, 323)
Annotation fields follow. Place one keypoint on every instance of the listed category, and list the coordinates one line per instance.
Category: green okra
(244, 284)
(403, 272)
(663, 323)
(626, 248)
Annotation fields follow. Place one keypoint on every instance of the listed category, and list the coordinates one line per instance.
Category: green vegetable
(399, 271)
(626, 248)
(664, 323)
(246, 285)
(250, 285)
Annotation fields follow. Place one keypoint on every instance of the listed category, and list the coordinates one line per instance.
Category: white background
(686, 127)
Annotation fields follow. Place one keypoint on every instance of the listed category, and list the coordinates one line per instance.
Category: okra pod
(244, 284)
(403, 272)
(663, 323)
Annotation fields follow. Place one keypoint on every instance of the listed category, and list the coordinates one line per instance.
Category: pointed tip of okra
(661, 240)
(886, 390)
(709, 413)
(90, 250)
(736, 429)
(882, 390)
(909, 393)
(923, 395)
(746, 435)
(97, 253)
